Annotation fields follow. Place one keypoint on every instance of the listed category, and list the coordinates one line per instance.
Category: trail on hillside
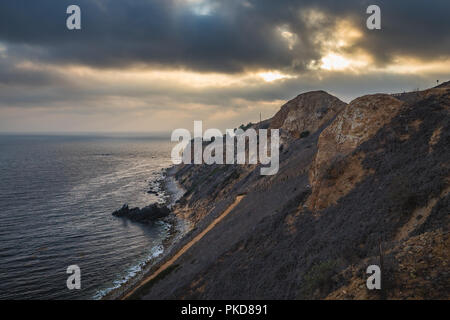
(186, 247)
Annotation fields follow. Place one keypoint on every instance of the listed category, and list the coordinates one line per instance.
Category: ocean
(57, 194)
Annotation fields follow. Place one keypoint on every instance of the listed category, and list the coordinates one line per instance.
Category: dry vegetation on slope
(374, 171)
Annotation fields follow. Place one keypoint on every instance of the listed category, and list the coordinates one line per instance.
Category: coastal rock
(147, 214)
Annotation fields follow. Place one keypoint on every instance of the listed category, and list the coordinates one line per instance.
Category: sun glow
(273, 76)
(334, 62)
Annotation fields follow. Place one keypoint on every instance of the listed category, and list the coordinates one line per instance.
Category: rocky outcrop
(306, 113)
(359, 121)
(150, 213)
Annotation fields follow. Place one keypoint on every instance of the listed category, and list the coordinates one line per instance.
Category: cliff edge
(368, 184)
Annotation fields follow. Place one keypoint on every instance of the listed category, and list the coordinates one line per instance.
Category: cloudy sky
(156, 65)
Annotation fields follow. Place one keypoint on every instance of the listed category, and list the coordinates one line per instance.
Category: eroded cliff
(374, 173)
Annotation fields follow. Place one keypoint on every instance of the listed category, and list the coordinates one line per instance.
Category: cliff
(368, 175)
(307, 113)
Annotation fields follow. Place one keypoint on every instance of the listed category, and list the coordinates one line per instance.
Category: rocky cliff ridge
(371, 174)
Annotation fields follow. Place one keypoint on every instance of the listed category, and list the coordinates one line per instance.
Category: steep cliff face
(331, 177)
(370, 174)
(402, 159)
(307, 113)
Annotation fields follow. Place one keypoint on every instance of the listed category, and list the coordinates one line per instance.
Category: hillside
(353, 178)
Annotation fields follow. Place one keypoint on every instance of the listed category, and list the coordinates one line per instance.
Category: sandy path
(186, 247)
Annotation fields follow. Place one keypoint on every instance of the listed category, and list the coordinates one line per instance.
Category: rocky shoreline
(178, 229)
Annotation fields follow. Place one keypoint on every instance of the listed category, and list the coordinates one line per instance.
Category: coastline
(169, 263)
(179, 227)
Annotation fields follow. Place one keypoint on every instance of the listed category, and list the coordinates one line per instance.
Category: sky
(158, 65)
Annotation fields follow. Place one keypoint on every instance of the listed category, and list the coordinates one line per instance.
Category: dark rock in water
(152, 192)
(147, 214)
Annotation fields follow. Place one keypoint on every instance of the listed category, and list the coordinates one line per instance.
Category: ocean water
(57, 194)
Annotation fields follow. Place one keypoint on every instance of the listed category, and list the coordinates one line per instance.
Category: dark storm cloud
(117, 33)
(233, 36)
(413, 28)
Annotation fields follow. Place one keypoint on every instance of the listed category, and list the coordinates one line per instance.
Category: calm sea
(56, 198)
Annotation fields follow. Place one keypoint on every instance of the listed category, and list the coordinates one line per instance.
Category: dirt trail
(185, 247)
